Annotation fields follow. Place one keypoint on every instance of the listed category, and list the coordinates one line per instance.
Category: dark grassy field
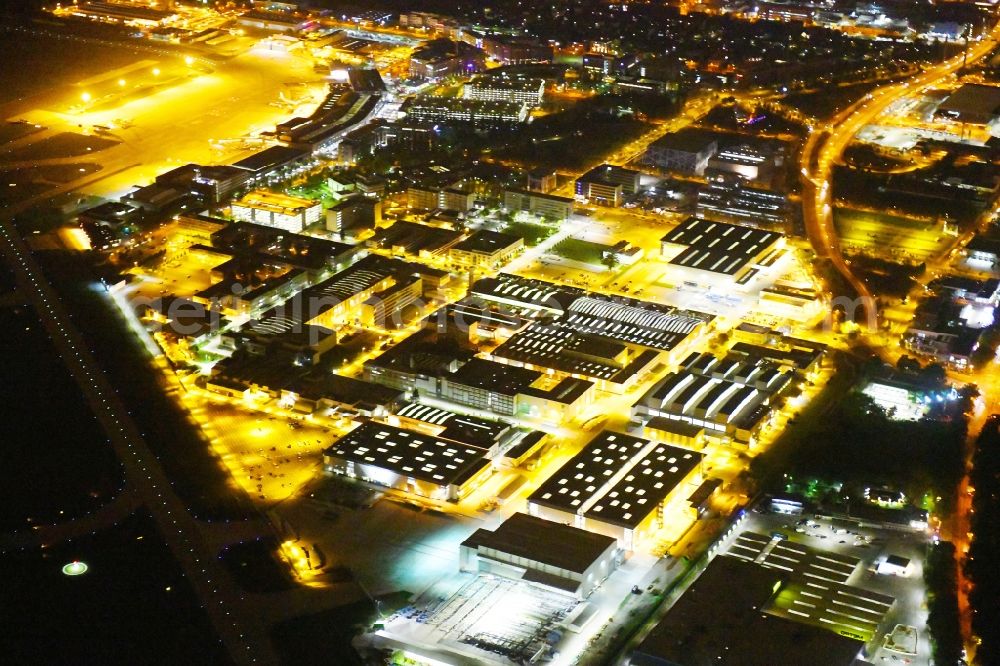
(132, 606)
(198, 476)
(59, 462)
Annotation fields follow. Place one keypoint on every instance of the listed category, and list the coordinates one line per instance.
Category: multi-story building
(604, 64)
(422, 198)
(278, 210)
(442, 57)
(503, 89)
(512, 50)
(546, 205)
(455, 198)
(744, 162)
(685, 151)
(424, 365)
(607, 194)
(630, 85)
(479, 113)
(484, 249)
(542, 180)
(449, 198)
(385, 309)
(354, 212)
(273, 161)
(219, 183)
(607, 184)
(425, 20)
(735, 202)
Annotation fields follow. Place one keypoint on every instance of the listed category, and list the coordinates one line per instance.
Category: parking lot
(489, 619)
(269, 456)
(845, 542)
(389, 547)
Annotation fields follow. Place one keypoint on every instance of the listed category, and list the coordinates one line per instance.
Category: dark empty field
(11, 131)
(48, 63)
(132, 606)
(64, 144)
(60, 464)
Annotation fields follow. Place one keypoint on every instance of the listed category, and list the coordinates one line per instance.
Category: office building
(272, 161)
(219, 183)
(449, 198)
(488, 250)
(354, 213)
(457, 199)
(403, 237)
(127, 14)
(607, 184)
(503, 89)
(542, 180)
(425, 364)
(337, 300)
(686, 151)
(315, 255)
(478, 113)
(630, 85)
(440, 58)
(537, 203)
(744, 163)
(277, 210)
(511, 50)
(742, 204)
(386, 309)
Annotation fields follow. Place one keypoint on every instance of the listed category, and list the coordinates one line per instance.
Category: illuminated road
(822, 151)
(826, 144)
(241, 633)
(248, 85)
(232, 101)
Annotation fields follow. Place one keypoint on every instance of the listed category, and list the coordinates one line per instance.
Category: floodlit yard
(902, 237)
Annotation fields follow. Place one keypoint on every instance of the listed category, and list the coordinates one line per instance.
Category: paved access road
(826, 144)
